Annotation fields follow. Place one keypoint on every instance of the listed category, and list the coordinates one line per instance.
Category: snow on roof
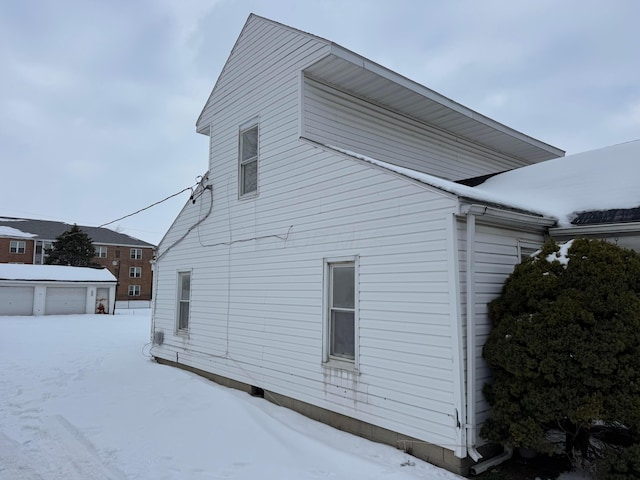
(55, 273)
(14, 232)
(606, 178)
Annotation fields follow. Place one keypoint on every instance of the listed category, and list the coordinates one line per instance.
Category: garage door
(16, 300)
(65, 300)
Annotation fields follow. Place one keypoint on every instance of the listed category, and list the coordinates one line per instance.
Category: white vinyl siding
(333, 117)
(259, 301)
(497, 252)
(256, 311)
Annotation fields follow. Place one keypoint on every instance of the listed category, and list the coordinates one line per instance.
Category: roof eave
(545, 151)
(608, 229)
(505, 216)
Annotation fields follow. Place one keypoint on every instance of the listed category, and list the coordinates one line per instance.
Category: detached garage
(55, 290)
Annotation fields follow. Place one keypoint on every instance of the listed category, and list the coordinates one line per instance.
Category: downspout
(471, 331)
(155, 270)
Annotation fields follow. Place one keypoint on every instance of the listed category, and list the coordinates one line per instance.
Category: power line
(146, 208)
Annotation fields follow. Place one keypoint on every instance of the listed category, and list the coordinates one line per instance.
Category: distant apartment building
(27, 241)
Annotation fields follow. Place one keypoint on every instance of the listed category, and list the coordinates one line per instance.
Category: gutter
(616, 229)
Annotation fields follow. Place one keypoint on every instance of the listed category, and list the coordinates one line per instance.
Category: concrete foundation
(433, 454)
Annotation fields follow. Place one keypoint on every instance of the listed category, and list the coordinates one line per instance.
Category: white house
(330, 261)
(55, 290)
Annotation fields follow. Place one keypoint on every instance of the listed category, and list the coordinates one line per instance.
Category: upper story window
(101, 252)
(17, 246)
(136, 253)
(135, 272)
(248, 161)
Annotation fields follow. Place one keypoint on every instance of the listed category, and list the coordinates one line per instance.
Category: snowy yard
(79, 400)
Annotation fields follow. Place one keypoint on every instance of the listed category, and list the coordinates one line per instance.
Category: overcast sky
(99, 99)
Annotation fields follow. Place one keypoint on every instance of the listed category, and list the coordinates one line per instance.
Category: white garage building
(55, 290)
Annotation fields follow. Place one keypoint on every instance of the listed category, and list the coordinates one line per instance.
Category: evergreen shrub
(565, 351)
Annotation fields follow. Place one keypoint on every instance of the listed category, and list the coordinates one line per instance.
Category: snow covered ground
(79, 400)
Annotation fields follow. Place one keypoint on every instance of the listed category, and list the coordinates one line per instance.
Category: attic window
(249, 161)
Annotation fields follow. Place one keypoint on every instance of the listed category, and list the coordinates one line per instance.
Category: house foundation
(428, 452)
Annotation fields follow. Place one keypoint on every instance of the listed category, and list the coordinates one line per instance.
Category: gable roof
(48, 230)
(366, 79)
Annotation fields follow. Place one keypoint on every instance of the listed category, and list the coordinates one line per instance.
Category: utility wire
(146, 208)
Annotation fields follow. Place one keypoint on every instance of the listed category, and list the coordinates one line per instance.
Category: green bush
(620, 464)
(565, 349)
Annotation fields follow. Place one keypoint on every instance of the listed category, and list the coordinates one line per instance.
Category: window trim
(330, 360)
(19, 245)
(136, 288)
(135, 272)
(135, 256)
(180, 301)
(100, 249)
(245, 127)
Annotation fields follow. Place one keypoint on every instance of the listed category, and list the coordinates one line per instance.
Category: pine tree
(73, 247)
(565, 352)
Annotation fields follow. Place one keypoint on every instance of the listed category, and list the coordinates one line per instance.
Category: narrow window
(184, 294)
(134, 290)
(17, 246)
(136, 253)
(101, 252)
(249, 161)
(135, 272)
(342, 311)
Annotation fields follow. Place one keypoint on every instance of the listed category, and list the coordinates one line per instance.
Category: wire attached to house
(199, 190)
(149, 206)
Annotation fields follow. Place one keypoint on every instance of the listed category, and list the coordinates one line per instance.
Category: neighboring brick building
(24, 240)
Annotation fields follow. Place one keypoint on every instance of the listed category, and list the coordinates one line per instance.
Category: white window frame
(101, 251)
(180, 301)
(135, 272)
(17, 246)
(242, 163)
(335, 361)
(134, 290)
(135, 254)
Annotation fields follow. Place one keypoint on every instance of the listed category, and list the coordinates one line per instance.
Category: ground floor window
(341, 310)
(17, 246)
(134, 290)
(184, 296)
